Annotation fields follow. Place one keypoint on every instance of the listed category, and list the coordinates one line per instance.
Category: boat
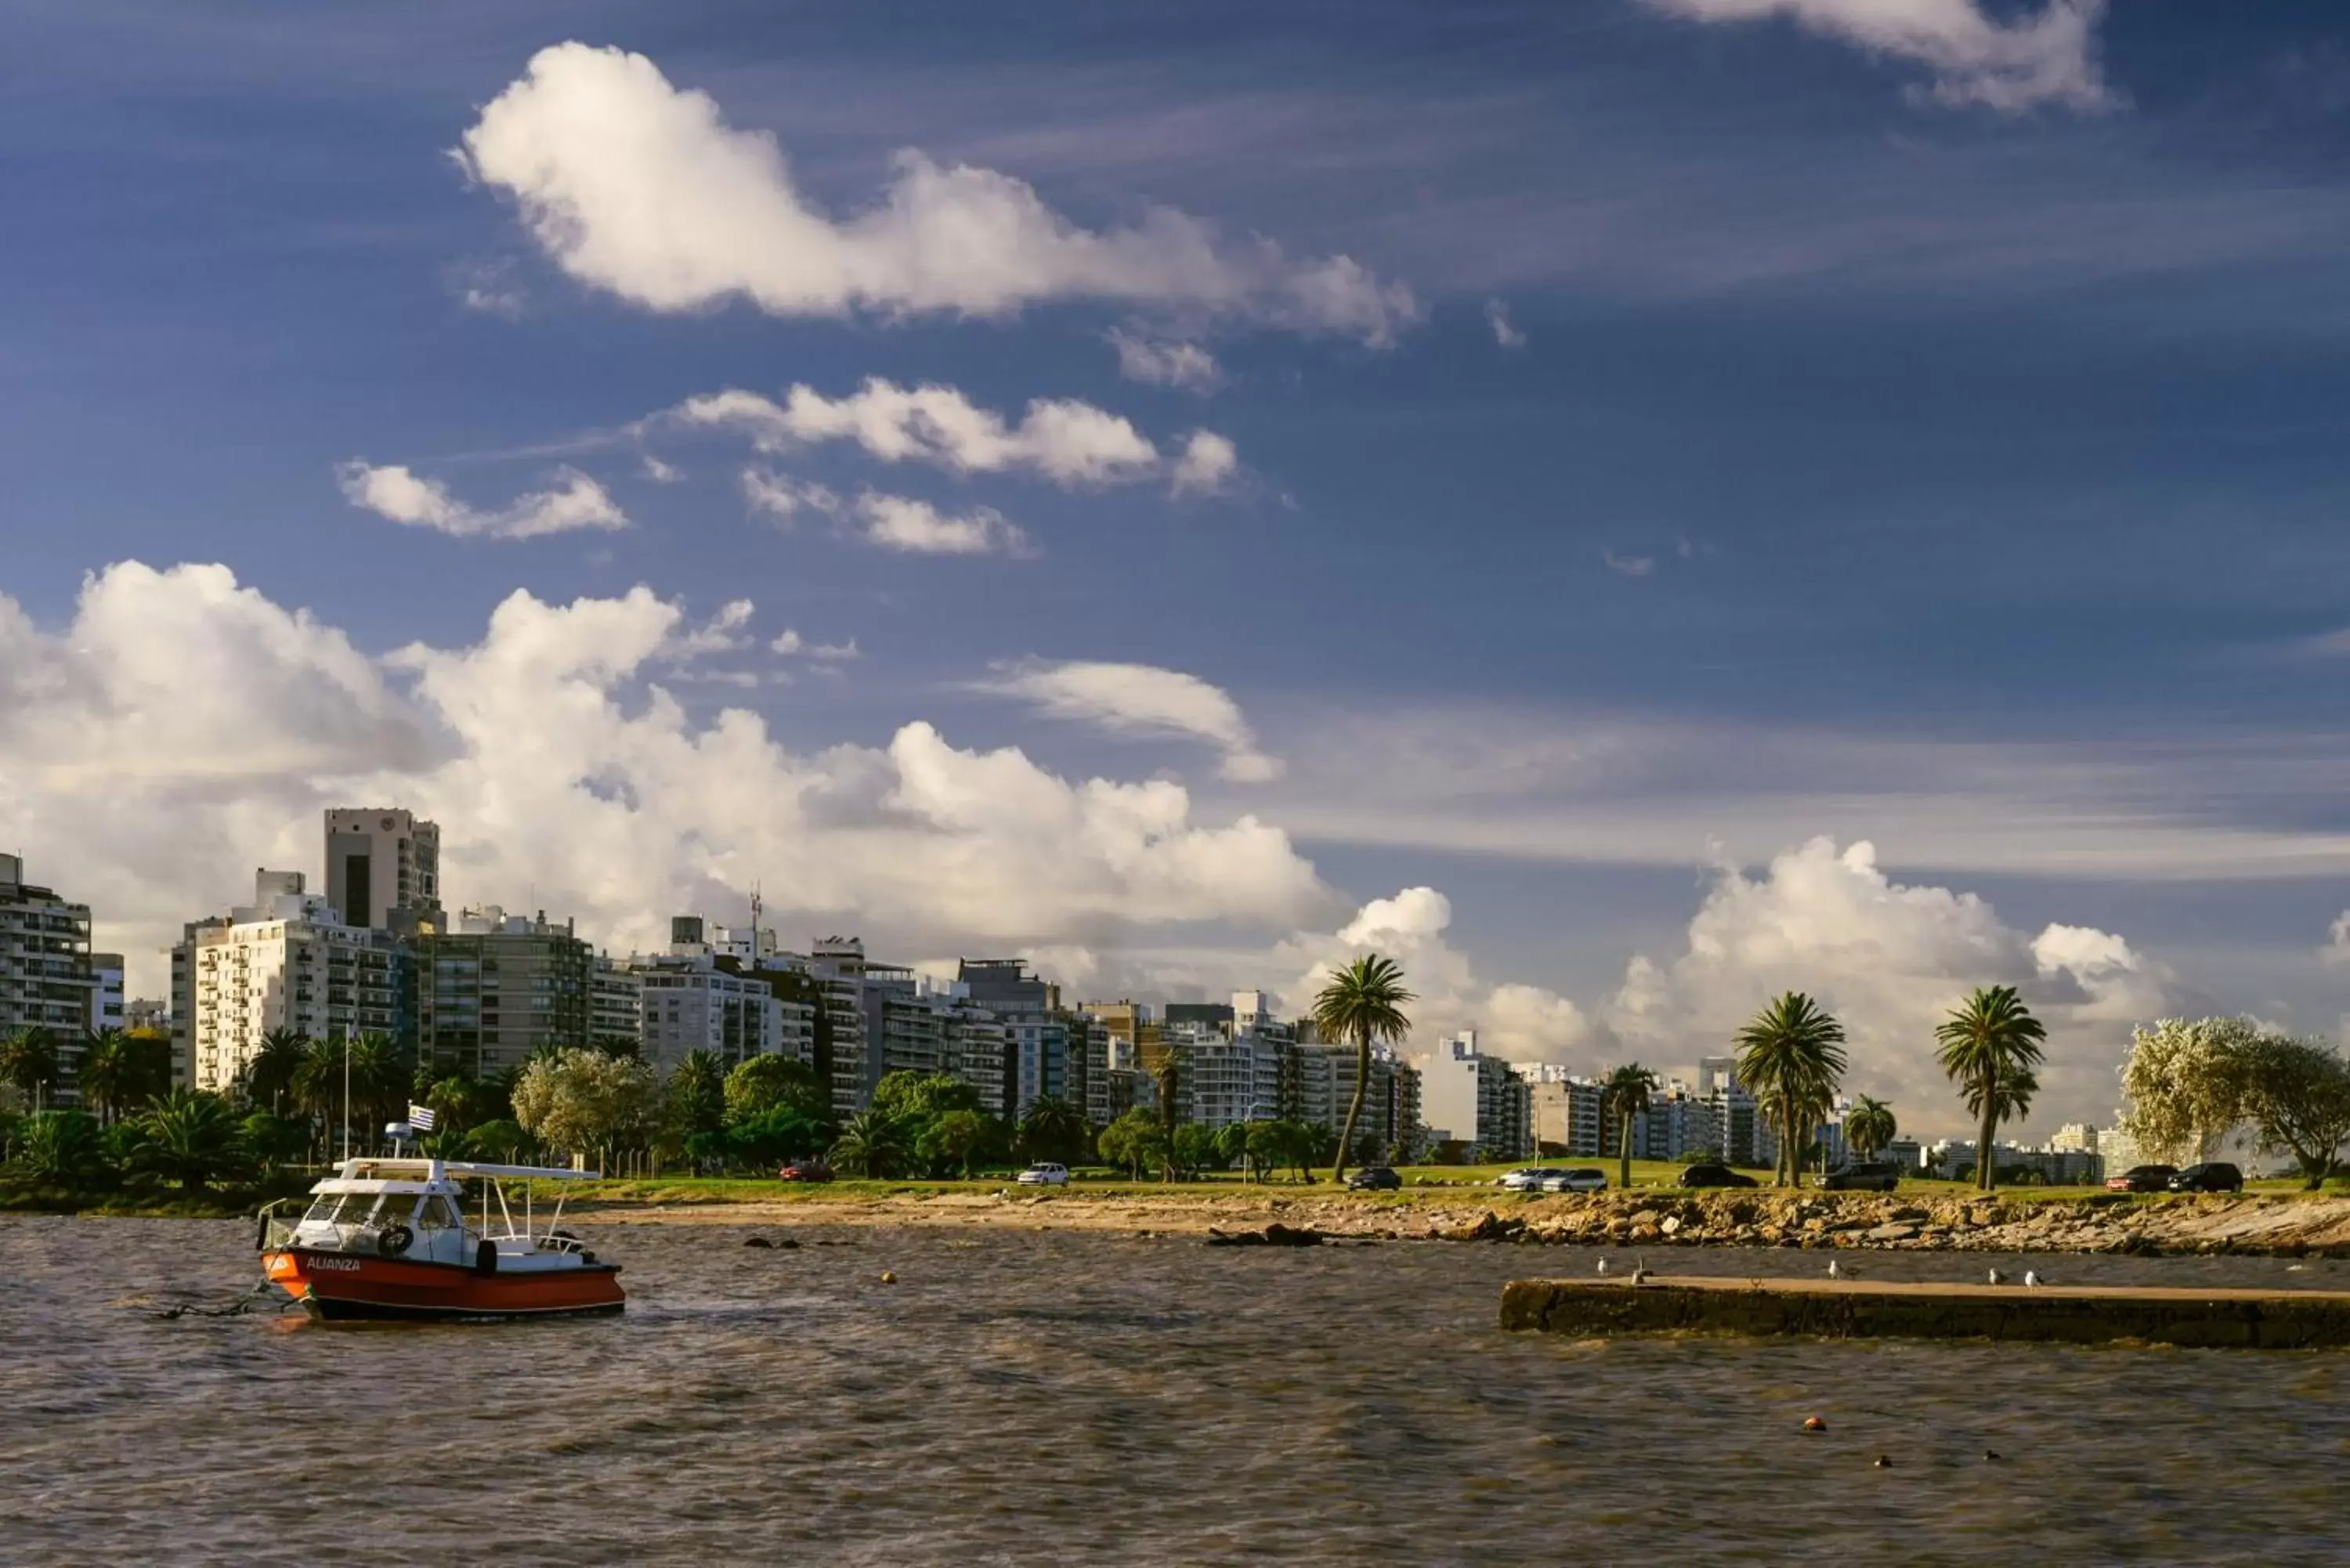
(389, 1238)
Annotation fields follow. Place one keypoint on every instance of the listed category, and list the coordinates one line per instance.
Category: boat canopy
(372, 1170)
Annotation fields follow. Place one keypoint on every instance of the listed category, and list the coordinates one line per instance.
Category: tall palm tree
(1625, 1095)
(106, 1072)
(1989, 1047)
(1869, 1126)
(28, 1059)
(269, 1072)
(1052, 1127)
(1789, 1056)
(192, 1137)
(1363, 1002)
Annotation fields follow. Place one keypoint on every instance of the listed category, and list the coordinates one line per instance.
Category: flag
(419, 1117)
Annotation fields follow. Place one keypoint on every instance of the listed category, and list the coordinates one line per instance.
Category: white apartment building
(616, 1002)
(381, 861)
(1565, 1109)
(1475, 1099)
(286, 961)
(689, 1003)
(44, 968)
(106, 992)
(2075, 1137)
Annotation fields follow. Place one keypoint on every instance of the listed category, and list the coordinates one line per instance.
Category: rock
(889, 1278)
(1273, 1235)
(1893, 1232)
(757, 1241)
(1815, 1424)
(1670, 1224)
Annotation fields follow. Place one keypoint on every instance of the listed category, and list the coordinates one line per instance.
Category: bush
(61, 1148)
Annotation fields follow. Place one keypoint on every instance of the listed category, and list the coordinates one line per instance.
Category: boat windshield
(353, 1208)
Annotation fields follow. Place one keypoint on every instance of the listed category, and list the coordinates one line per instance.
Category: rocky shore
(2264, 1223)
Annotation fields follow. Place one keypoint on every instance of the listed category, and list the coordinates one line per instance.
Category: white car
(1582, 1178)
(1043, 1173)
(1529, 1179)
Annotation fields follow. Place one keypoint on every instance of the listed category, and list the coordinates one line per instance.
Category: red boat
(389, 1239)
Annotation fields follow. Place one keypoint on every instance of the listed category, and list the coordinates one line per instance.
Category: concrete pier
(1857, 1309)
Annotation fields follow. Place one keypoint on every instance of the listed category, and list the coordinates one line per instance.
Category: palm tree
(1363, 1003)
(1869, 1126)
(105, 1074)
(1052, 1127)
(28, 1059)
(193, 1139)
(1625, 1095)
(269, 1072)
(1789, 1056)
(876, 1143)
(1991, 1044)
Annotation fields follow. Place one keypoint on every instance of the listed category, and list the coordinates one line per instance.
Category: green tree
(1195, 1149)
(500, 1141)
(1625, 1095)
(2297, 1094)
(1990, 1049)
(1362, 1001)
(59, 1148)
(1790, 1055)
(694, 1103)
(922, 1099)
(1232, 1144)
(585, 1102)
(762, 1083)
(1053, 1128)
(784, 1132)
(276, 1140)
(1134, 1140)
(192, 1138)
(952, 1138)
(2186, 1082)
(874, 1144)
(29, 1061)
(269, 1075)
(1869, 1126)
(104, 1074)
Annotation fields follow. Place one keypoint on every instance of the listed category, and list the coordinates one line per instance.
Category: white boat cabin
(416, 1209)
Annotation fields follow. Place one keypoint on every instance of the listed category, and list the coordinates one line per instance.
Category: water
(1022, 1398)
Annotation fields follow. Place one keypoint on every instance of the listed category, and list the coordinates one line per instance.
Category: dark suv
(1862, 1177)
(2212, 1176)
(1715, 1175)
(1374, 1179)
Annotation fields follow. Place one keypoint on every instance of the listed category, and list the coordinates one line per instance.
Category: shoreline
(2263, 1223)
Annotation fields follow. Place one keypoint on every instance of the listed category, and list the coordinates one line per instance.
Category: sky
(1628, 507)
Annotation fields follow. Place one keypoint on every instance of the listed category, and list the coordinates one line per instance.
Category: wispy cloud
(1141, 700)
(574, 501)
(1505, 332)
(896, 523)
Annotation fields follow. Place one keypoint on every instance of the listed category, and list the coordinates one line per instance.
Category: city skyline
(1673, 503)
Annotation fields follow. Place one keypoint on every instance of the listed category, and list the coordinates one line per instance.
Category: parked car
(1527, 1179)
(1373, 1179)
(805, 1170)
(2212, 1176)
(2142, 1179)
(1582, 1178)
(1863, 1176)
(1713, 1174)
(1045, 1173)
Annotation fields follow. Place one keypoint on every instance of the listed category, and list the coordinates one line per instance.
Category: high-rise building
(1476, 1100)
(692, 1002)
(45, 969)
(106, 992)
(494, 988)
(382, 864)
(286, 961)
(616, 1002)
(1567, 1111)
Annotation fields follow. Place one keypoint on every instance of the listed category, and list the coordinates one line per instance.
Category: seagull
(1997, 1278)
(2031, 1278)
(1603, 1265)
(1834, 1273)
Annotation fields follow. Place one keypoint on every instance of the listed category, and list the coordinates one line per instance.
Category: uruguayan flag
(419, 1117)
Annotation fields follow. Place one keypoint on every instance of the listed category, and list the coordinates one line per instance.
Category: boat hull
(344, 1285)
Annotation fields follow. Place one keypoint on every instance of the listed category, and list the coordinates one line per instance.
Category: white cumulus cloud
(576, 501)
(1143, 699)
(2046, 56)
(634, 185)
(792, 644)
(1505, 331)
(897, 523)
(1207, 465)
(182, 729)
(1063, 439)
(1889, 959)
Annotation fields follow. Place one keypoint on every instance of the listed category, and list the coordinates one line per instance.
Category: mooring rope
(232, 1309)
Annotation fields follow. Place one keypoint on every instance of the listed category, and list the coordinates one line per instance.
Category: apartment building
(383, 867)
(1475, 1099)
(286, 961)
(616, 1002)
(45, 980)
(690, 1002)
(494, 988)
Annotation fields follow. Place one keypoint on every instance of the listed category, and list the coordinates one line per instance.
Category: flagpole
(347, 1091)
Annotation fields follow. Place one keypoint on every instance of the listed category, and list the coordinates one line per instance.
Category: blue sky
(1917, 423)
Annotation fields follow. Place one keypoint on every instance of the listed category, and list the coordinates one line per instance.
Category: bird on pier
(1834, 1273)
(2033, 1279)
(1603, 1265)
(1997, 1278)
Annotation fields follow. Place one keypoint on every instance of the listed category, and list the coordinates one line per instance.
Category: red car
(2142, 1179)
(805, 1170)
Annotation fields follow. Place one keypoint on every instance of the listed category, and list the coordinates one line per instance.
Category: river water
(1045, 1398)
